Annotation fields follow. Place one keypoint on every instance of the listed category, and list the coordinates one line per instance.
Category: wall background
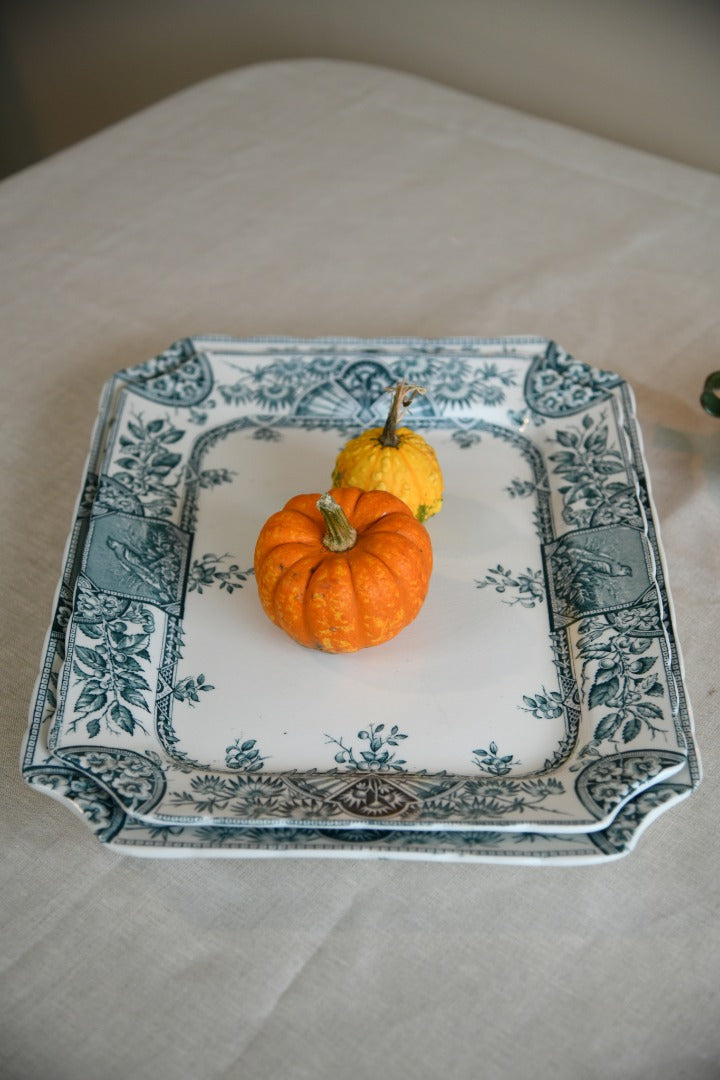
(642, 72)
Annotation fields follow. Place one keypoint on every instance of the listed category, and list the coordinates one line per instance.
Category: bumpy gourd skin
(336, 601)
(409, 470)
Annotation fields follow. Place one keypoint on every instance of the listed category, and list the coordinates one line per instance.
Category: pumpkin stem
(403, 396)
(340, 535)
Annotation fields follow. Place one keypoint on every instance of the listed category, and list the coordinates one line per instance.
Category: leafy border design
(145, 468)
(619, 673)
(590, 467)
(112, 669)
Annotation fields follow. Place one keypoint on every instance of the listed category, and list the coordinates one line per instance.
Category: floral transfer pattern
(620, 672)
(593, 484)
(605, 785)
(365, 784)
(111, 663)
(222, 571)
(377, 796)
(596, 487)
(526, 588)
(376, 756)
(147, 467)
(559, 385)
(327, 383)
(130, 835)
(136, 780)
(179, 376)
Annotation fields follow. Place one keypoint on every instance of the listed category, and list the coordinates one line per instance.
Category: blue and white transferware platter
(533, 710)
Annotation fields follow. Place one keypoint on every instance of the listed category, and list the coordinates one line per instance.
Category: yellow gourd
(394, 459)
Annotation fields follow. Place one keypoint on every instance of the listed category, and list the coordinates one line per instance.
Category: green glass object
(710, 397)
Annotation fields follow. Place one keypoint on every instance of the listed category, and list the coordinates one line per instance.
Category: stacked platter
(534, 712)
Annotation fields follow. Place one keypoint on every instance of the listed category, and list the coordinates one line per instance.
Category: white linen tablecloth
(324, 198)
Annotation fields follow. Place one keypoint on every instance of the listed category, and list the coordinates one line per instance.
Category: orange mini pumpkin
(343, 571)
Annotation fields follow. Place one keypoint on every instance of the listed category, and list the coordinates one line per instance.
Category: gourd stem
(340, 535)
(403, 396)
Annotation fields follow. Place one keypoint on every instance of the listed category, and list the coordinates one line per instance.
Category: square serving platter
(535, 709)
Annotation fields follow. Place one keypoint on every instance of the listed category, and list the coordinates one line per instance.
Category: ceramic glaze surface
(535, 709)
